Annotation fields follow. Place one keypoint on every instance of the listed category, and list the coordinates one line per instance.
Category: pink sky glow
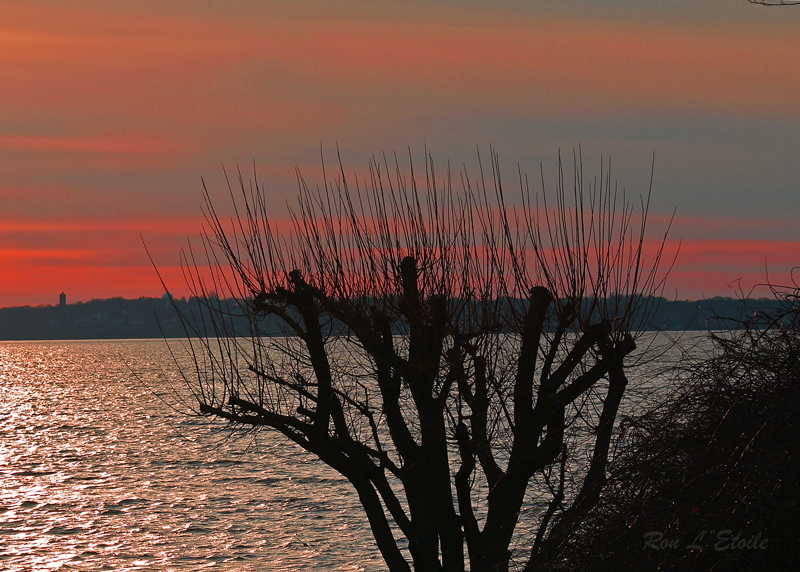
(111, 112)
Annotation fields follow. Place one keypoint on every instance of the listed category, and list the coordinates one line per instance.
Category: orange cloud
(87, 91)
(719, 267)
(106, 144)
(181, 226)
(82, 283)
(90, 267)
(49, 255)
(739, 255)
(289, 69)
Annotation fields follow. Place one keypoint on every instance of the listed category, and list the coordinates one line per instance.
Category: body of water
(98, 472)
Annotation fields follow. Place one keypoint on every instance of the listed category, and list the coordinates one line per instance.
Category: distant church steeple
(62, 299)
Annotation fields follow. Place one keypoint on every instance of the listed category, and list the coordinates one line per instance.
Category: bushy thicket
(710, 478)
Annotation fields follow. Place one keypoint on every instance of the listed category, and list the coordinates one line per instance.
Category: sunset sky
(111, 111)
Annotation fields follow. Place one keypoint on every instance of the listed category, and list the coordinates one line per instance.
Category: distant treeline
(114, 318)
(118, 318)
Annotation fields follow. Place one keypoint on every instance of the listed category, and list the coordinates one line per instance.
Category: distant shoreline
(154, 318)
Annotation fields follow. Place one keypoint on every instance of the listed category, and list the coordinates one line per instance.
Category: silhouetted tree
(460, 361)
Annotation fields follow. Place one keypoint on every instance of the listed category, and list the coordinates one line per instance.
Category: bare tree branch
(441, 347)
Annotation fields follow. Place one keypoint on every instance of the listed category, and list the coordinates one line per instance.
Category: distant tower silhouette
(62, 300)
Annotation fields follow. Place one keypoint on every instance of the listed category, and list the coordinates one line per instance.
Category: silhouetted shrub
(708, 479)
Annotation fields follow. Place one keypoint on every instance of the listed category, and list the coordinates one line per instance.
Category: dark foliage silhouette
(715, 465)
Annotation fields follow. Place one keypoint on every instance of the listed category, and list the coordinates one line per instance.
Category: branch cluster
(444, 349)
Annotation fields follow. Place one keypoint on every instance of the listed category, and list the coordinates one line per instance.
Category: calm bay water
(99, 473)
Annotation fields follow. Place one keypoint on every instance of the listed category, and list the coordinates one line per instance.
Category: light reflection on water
(96, 473)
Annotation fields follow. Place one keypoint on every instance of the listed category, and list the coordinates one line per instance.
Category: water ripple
(97, 473)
